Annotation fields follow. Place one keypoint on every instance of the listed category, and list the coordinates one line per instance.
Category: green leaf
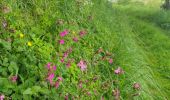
(36, 89)
(5, 45)
(28, 91)
(13, 67)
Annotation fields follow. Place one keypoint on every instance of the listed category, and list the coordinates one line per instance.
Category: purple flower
(65, 32)
(50, 78)
(66, 97)
(60, 78)
(65, 54)
(61, 41)
(62, 60)
(82, 65)
(110, 60)
(136, 86)
(57, 84)
(75, 39)
(118, 71)
(54, 68)
(48, 65)
(2, 97)
(14, 78)
(68, 64)
(88, 93)
(82, 33)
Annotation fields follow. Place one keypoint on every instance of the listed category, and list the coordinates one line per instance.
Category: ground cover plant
(84, 50)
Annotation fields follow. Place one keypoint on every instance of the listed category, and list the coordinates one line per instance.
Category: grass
(137, 36)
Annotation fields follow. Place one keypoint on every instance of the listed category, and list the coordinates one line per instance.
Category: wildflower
(68, 64)
(54, 68)
(110, 60)
(21, 35)
(61, 41)
(60, 78)
(66, 97)
(48, 65)
(65, 54)
(88, 93)
(29, 44)
(80, 84)
(62, 60)
(65, 32)
(82, 33)
(136, 86)
(116, 93)
(118, 71)
(2, 97)
(75, 39)
(57, 84)
(50, 77)
(73, 32)
(70, 50)
(14, 78)
(82, 65)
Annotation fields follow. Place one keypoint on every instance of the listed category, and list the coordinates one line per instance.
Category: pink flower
(110, 60)
(82, 65)
(82, 33)
(118, 71)
(75, 39)
(68, 64)
(62, 60)
(80, 84)
(57, 84)
(70, 50)
(50, 78)
(66, 97)
(88, 93)
(54, 68)
(65, 54)
(136, 86)
(14, 78)
(116, 93)
(65, 32)
(2, 97)
(61, 41)
(60, 78)
(48, 65)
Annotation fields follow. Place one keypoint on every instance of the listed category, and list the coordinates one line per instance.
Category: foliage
(82, 49)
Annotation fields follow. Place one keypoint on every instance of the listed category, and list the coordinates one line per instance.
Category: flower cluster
(51, 75)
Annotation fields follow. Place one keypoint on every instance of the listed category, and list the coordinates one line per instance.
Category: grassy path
(131, 54)
(154, 41)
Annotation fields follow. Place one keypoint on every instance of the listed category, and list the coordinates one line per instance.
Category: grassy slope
(153, 39)
(129, 53)
(123, 34)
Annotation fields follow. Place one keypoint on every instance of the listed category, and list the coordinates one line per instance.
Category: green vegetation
(84, 50)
